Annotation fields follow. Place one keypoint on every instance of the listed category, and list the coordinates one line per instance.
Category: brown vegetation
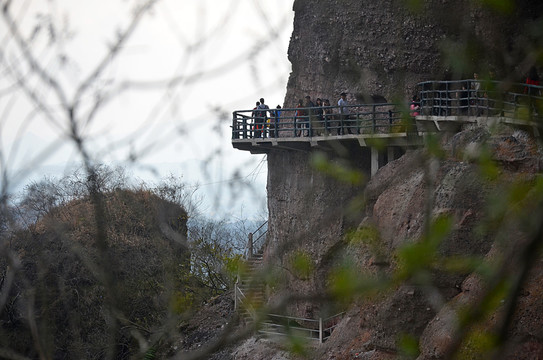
(60, 302)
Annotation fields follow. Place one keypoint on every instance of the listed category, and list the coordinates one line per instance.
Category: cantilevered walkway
(444, 106)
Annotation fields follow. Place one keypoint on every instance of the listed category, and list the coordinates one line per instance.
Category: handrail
(322, 333)
(317, 121)
(238, 300)
(251, 242)
(261, 226)
(248, 255)
(486, 98)
(467, 97)
(241, 301)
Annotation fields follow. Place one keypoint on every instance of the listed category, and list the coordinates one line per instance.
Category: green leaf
(421, 256)
(408, 346)
(302, 264)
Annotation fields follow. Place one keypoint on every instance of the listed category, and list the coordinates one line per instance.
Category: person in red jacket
(532, 79)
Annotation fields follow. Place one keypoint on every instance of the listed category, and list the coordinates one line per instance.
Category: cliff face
(303, 199)
(378, 50)
(397, 200)
(310, 212)
(384, 48)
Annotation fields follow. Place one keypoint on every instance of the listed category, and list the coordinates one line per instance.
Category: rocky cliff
(397, 202)
(382, 49)
(310, 213)
(377, 50)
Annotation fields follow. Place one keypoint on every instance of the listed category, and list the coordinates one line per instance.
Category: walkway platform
(328, 142)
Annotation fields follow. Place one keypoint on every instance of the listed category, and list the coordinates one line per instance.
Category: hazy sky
(166, 98)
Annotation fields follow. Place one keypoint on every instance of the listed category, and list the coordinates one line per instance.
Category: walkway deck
(444, 106)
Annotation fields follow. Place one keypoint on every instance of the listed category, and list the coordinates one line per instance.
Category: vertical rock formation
(375, 50)
(384, 48)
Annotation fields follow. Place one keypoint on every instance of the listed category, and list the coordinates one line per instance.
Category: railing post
(245, 128)
(250, 246)
(235, 132)
(321, 330)
(358, 121)
(447, 102)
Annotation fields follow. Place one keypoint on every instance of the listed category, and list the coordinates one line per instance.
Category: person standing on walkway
(309, 123)
(475, 94)
(532, 79)
(344, 114)
(319, 112)
(414, 107)
(255, 115)
(299, 118)
(263, 114)
(327, 116)
(274, 124)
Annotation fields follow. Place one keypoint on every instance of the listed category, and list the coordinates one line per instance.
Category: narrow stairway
(250, 289)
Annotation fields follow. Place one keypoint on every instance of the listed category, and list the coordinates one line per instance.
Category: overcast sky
(189, 65)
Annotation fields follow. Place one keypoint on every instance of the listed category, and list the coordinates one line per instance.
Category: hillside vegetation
(72, 298)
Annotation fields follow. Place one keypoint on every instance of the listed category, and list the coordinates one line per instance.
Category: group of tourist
(263, 123)
(310, 118)
(318, 118)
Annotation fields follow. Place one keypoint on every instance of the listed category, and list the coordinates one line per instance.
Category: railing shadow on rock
(481, 99)
(317, 121)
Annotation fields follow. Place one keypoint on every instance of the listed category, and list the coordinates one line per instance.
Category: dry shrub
(86, 301)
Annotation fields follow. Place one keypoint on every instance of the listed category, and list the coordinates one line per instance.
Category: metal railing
(252, 244)
(312, 329)
(317, 121)
(258, 243)
(480, 98)
(239, 296)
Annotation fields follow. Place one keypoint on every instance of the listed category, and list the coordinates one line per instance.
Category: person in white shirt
(344, 114)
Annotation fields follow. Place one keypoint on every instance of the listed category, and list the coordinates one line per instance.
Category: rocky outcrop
(382, 49)
(302, 199)
(397, 199)
(62, 285)
(379, 51)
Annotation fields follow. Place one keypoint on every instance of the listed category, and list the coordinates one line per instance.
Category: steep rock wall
(308, 214)
(384, 48)
(373, 50)
(376, 50)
